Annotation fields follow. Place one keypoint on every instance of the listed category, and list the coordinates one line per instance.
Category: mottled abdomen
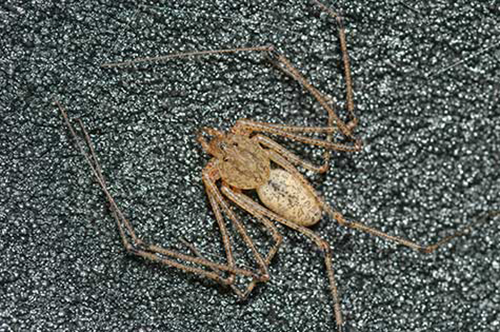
(287, 196)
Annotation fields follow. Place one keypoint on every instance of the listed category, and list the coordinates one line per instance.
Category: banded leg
(134, 244)
(281, 62)
(425, 249)
(249, 126)
(347, 66)
(210, 176)
(272, 252)
(290, 156)
(285, 65)
(288, 68)
(351, 126)
(322, 244)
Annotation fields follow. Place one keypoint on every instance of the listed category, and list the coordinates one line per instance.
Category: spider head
(225, 147)
(220, 145)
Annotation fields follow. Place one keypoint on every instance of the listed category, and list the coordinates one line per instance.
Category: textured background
(426, 80)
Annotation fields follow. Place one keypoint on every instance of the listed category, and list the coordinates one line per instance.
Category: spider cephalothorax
(242, 162)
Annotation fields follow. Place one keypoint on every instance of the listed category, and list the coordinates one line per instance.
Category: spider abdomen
(285, 195)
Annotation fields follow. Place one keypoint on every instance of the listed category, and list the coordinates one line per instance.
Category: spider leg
(345, 60)
(285, 65)
(282, 63)
(276, 157)
(272, 252)
(214, 199)
(245, 126)
(248, 126)
(289, 69)
(425, 249)
(290, 156)
(352, 125)
(279, 152)
(134, 244)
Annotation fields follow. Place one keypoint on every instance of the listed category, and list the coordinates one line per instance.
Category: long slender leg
(285, 164)
(347, 67)
(135, 245)
(254, 208)
(288, 68)
(272, 252)
(425, 249)
(352, 125)
(281, 62)
(285, 66)
(210, 176)
(284, 153)
(220, 220)
(274, 249)
(293, 158)
(249, 126)
(278, 156)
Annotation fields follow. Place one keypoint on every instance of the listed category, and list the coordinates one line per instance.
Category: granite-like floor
(427, 89)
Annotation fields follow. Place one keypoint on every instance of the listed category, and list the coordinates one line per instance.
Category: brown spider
(245, 159)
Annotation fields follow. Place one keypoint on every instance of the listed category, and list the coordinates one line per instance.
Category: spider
(246, 159)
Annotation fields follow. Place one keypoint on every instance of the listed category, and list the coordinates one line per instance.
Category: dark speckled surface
(426, 79)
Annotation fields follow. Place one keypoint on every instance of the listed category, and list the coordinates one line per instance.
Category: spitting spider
(245, 159)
